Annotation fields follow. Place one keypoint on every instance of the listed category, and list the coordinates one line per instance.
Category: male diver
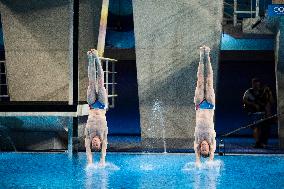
(205, 143)
(96, 129)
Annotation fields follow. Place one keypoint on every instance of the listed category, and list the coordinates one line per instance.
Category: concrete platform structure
(37, 40)
(168, 35)
(38, 50)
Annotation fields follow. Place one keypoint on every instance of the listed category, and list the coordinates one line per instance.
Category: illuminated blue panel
(120, 7)
(230, 43)
(122, 40)
(276, 10)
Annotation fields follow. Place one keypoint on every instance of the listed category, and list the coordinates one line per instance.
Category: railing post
(235, 13)
(256, 8)
(107, 72)
(107, 62)
(113, 82)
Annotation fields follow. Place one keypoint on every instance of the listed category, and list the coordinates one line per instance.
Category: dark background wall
(124, 118)
(236, 69)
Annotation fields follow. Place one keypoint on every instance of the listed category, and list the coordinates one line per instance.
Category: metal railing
(82, 109)
(4, 90)
(251, 12)
(234, 7)
(109, 65)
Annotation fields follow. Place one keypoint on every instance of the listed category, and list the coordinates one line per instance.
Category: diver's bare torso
(205, 114)
(96, 124)
(97, 112)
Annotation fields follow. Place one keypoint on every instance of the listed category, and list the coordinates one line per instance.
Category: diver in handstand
(96, 129)
(205, 143)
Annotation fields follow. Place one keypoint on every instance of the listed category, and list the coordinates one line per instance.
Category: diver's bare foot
(202, 48)
(207, 50)
(201, 54)
(89, 53)
(94, 51)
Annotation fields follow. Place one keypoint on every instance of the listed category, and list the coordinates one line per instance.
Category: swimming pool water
(124, 170)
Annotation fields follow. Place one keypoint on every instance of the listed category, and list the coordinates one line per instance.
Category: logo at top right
(276, 10)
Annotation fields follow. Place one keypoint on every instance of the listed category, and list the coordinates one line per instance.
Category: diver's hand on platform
(207, 50)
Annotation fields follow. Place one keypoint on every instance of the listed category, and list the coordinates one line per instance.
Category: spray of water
(206, 175)
(158, 119)
(147, 167)
(97, 166)
(209, 165)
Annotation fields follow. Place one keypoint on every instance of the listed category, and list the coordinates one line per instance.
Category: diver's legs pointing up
(199, 91)
(91, 92)
(209, 88)
(102, 94)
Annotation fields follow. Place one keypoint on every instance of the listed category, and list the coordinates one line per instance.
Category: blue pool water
(57, 170)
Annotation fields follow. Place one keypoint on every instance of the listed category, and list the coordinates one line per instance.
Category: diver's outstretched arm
(104, 148)
(209, 90)
(212, 149)
(199, 91)
(88, 150)
(197, 154)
